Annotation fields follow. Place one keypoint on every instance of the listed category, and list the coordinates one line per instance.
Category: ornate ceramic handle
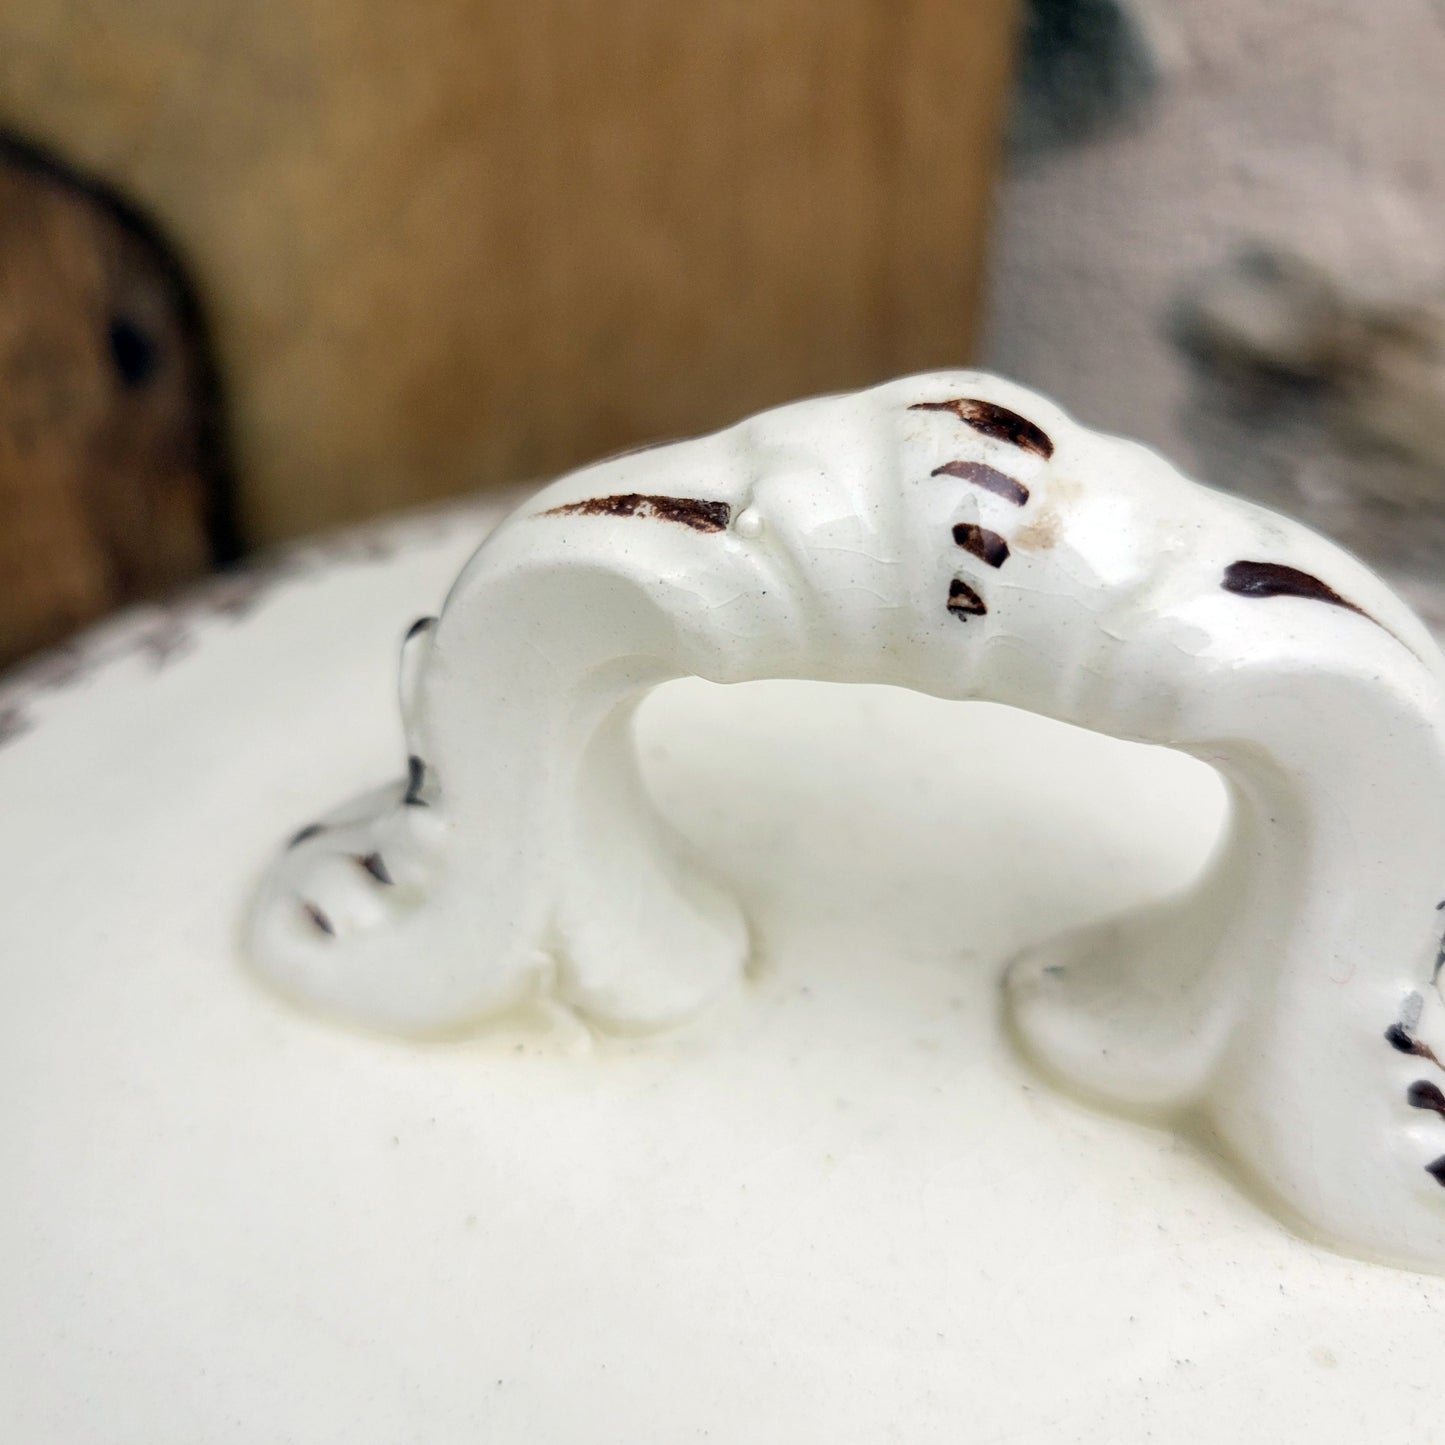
(960, 536)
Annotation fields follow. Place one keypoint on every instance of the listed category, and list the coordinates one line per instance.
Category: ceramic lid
(836, 1206)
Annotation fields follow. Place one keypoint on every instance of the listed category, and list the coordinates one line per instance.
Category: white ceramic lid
(836, 1208)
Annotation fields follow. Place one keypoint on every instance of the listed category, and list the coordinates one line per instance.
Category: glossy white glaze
(958, 536)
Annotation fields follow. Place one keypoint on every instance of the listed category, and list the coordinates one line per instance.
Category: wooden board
(462, 242)
(112, 478)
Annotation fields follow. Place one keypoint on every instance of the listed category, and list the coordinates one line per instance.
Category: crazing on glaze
(958, 535)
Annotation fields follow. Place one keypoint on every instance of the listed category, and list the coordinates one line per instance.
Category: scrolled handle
(960, 536)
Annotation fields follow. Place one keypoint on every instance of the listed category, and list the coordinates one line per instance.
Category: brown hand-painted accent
(1422, 1094)
(701, 516)
(985, 545)
(375, 864)
(309, 831)
(1436, 1170)
(415, 778)
(422, 624)
(1274, 579)
(322, 922)
(989, 478)
(994, 421)
(963, 601)
(1399, 1038)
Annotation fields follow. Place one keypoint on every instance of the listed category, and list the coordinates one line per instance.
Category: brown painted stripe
(415, 782)
(322, 922)
(1422, 1094)
(700, 515)
(994, 421)
(985, 545)
(1436, 1170)
(989, 478)
(1274, 579)
(375, 864)
(963, 601)
(1399, 1037)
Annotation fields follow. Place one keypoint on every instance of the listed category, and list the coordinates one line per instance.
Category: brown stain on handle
(1047, 522)
(1040, 533)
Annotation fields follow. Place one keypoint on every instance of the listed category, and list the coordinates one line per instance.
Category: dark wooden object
(465, 242)
(112, 474)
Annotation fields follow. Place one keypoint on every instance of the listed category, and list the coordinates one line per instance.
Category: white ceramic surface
(835, 1207)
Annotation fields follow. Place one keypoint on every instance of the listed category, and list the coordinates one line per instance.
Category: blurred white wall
(1315, 124)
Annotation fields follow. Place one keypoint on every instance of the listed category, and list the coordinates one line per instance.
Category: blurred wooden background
(462, 242)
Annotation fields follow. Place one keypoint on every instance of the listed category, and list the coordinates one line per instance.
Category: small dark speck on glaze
(1436, 1170)
(1422, 1094)
(322, 922)
(963, 601)
(375, 864)
(989, 478)
(309, 831)
(415, 778)
(694, 512)
(994, 421)
(985, 545)
(1274, 579)
(420, 625)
